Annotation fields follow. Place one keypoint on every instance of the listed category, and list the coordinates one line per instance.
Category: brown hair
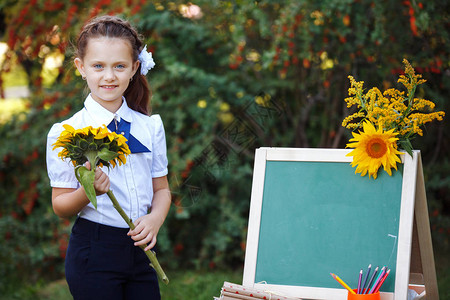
(138, 92)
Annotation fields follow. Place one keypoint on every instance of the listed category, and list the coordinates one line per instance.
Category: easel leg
(424, 236)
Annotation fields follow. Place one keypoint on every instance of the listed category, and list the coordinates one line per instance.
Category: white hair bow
(146, 60)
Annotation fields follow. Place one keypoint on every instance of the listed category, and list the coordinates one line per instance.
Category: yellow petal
(68, 128)
(365, 158)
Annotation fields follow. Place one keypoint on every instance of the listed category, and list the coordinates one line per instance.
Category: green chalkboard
(319, 218)
(311, 215)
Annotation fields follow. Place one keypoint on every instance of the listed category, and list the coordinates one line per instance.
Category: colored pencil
(359, 281)
(370, 281)
(342, 283)
(377, 280)
(365, 279)
(382, 281)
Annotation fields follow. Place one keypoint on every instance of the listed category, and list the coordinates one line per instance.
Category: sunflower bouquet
(388, 120)
(99, 147)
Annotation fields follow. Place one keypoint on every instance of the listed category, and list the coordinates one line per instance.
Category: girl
(102, 259)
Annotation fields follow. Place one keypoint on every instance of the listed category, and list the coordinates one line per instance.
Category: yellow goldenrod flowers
(398, 115)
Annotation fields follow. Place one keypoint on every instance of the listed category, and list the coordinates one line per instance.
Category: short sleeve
(159, 147)
(61, 173)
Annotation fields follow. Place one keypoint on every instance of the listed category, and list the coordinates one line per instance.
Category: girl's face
(108, 67)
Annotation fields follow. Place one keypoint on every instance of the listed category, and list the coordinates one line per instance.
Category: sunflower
(96, 145)
(374, 148)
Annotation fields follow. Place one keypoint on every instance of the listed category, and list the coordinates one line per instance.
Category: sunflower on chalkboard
(374, 148)
(398, 117)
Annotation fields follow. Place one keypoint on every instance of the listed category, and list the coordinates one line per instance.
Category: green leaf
(86, 179)
(406, 145)
(107, 155)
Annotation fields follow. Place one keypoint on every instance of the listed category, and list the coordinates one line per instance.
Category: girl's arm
(147, 227)
(68, 202)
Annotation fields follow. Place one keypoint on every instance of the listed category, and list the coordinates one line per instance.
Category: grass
(442, 263)
(198, 285)
(187, 284)
(16, 76)
(10, 107)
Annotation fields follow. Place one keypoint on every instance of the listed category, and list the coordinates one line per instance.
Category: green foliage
(34, 238)
(246, 74)
(199, 285)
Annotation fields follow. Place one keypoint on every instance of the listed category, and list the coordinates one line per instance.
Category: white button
(122, 133)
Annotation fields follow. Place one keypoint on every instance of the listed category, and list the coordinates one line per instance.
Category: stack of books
(232, 291)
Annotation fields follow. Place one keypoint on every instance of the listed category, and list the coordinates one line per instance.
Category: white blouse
(131, 183)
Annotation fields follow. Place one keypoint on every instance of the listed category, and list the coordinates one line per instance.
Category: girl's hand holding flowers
(101, 181)
(145, 231)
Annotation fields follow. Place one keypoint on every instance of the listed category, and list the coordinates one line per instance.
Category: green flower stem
(92, 157)
(150, 254)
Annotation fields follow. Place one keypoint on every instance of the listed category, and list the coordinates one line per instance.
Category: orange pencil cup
(375, 296)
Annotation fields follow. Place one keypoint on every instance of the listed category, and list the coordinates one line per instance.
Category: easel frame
(413, 206)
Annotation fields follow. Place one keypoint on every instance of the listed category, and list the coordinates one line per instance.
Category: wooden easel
(415, 259)
(423, 270)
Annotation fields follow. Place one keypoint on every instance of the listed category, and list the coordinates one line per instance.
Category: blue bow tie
(123, 127)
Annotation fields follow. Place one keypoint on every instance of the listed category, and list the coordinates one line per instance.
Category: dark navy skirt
(103, 263)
